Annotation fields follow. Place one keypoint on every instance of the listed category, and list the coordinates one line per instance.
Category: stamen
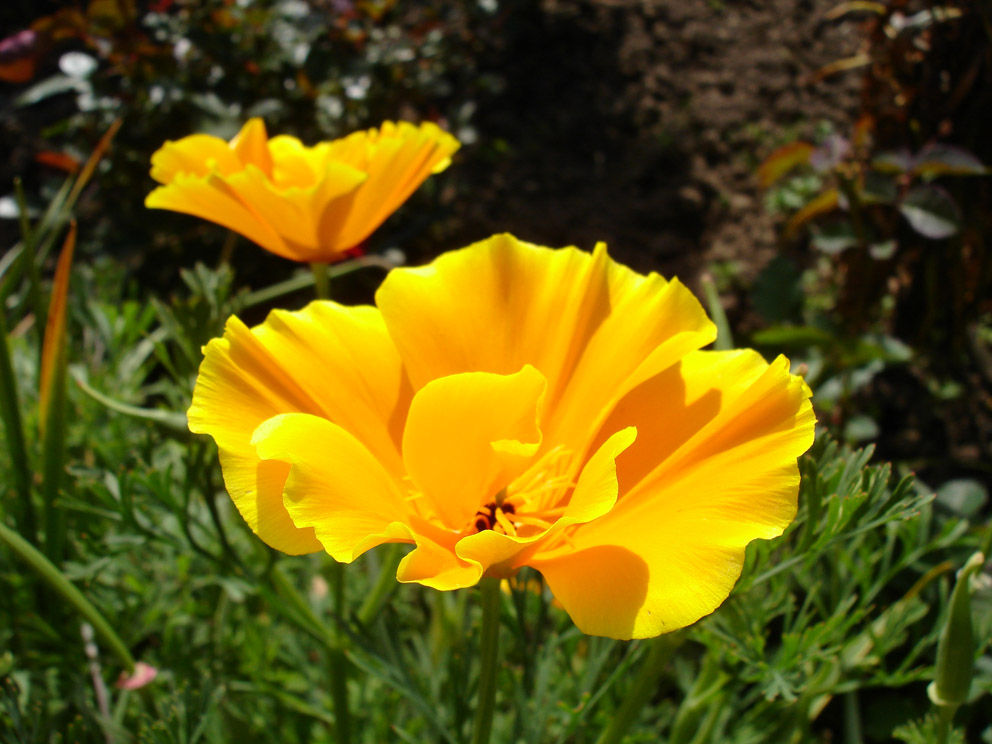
(505, 523)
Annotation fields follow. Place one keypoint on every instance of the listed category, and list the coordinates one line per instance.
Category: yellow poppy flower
(303, 203)
(510, 405)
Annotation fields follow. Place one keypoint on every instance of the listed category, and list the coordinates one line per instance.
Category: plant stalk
(644, 686)
(489, 658)
(321, 280)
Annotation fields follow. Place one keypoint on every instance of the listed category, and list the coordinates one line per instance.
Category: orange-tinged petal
(398, 158)
(436, 566)
(210, 199)
(302, 203)
(593, 327)
(293, 212)
(251, 145)
(295, 164)
(195, 155)
(595, 494)
(679, 532)
(335, 485)
(326, 360)
(468, 435)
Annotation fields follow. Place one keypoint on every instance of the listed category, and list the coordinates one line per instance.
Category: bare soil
(641, 122)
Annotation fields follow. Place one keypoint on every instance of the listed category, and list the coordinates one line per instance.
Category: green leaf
(931, 212)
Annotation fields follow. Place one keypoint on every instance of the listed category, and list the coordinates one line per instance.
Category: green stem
(304, 280)
(383, 585)
(644, 686)
(337, 662)
(489, 659)
(321, 280)
(57, 581)
(30, 266)
(945, 719)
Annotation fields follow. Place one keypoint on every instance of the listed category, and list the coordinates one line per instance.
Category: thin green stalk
(304, 280)
(321, 280)
(30, 265)
(644, 686)
(310, 622)
(724, 339)
(10, 412)
(57, 581)
(383, 585)
(337, 662)
(489, 660)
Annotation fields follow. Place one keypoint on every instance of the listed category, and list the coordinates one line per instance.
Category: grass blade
(52, 399)
(10, 412)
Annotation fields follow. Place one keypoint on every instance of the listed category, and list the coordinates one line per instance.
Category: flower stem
(321, 280)
(488, 647)
(337, 662)
(641, 691)
(383, 585)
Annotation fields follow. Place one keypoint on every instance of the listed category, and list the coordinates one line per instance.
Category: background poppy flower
(303, 203)
(512, 405)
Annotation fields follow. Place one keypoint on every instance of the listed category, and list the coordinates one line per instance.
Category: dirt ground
(641, 122)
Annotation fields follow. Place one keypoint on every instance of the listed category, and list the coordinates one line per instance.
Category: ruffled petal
(335, 485)
(594, 328)
(195, 155)
(678, 534)
(468, 435)
(209, 198)
(595, 493)
(397, 158)
(256, 488)
(251, 145)
(326, 360)
(294, 212)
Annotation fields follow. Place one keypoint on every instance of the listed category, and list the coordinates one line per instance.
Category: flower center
(532, 502)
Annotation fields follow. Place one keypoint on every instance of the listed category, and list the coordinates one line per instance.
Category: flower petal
(595, 493)
(327, 360)
(256, 488)
(678, 534)
(436, 566)
(467, 435)
(398, 158)
(251, 145)
(195, 155)
(335, 485)
(593, 327)
(294, 212)
(209, 198)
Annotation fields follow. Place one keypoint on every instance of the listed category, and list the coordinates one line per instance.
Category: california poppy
(511, 405)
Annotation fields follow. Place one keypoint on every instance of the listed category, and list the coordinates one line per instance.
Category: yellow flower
(510, 405)
(303, 203)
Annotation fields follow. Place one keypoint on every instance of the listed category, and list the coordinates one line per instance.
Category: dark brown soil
(640, 123)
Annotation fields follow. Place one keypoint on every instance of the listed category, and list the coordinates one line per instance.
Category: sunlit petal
(469, 434)
(680, 529)
(325, 360)
(335, 485)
